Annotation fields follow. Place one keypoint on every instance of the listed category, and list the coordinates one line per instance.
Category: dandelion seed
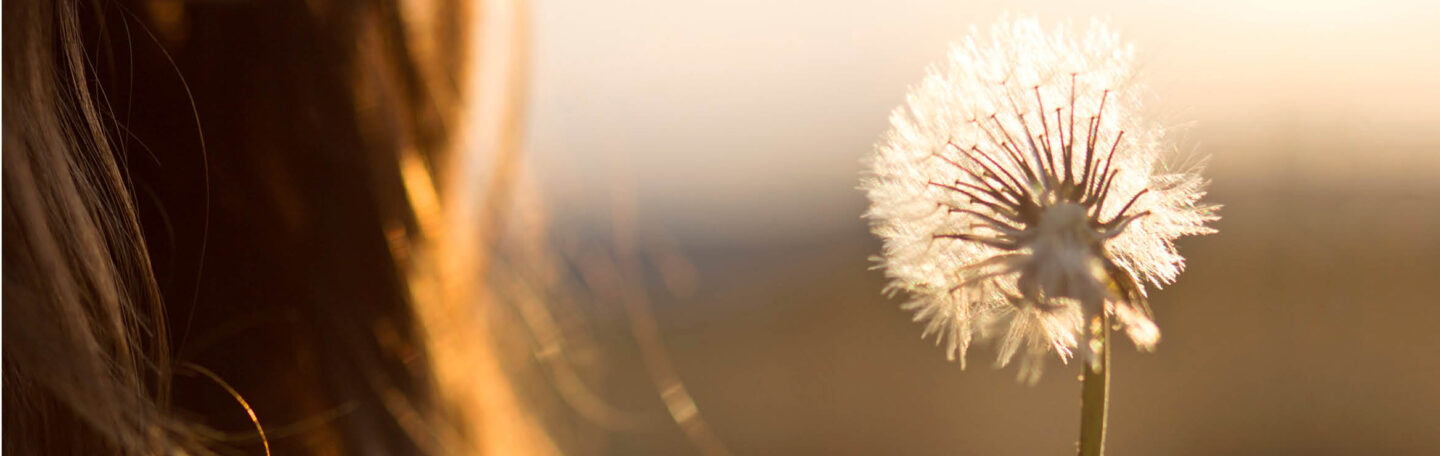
(1019, 195)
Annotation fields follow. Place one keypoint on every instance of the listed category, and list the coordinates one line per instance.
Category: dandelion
(1020, 196)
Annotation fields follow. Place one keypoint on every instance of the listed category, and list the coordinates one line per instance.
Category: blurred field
(1306, 327)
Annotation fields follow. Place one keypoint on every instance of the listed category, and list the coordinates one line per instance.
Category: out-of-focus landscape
(735, 131)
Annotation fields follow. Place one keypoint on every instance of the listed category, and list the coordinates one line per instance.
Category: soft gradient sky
(738, 119)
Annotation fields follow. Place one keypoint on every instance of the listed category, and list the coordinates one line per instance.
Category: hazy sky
(737, 118)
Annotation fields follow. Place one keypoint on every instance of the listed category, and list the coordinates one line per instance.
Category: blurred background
(729, 136)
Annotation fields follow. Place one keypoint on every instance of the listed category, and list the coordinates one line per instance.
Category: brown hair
(254, 167)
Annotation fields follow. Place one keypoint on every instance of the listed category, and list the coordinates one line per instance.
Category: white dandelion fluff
(1020, 194)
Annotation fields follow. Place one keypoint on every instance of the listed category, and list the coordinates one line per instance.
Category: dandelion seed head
(1019, 193)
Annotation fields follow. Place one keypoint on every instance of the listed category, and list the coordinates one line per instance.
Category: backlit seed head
(1020, 194)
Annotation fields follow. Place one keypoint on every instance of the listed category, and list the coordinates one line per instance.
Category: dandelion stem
(1095, 392)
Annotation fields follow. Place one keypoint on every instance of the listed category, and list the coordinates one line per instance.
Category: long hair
(85, 347)
(218, 211)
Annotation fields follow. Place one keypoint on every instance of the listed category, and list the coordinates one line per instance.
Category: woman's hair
(86, 364)
(218, 211)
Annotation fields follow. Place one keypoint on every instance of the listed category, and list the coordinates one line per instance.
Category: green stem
(1094, 394)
